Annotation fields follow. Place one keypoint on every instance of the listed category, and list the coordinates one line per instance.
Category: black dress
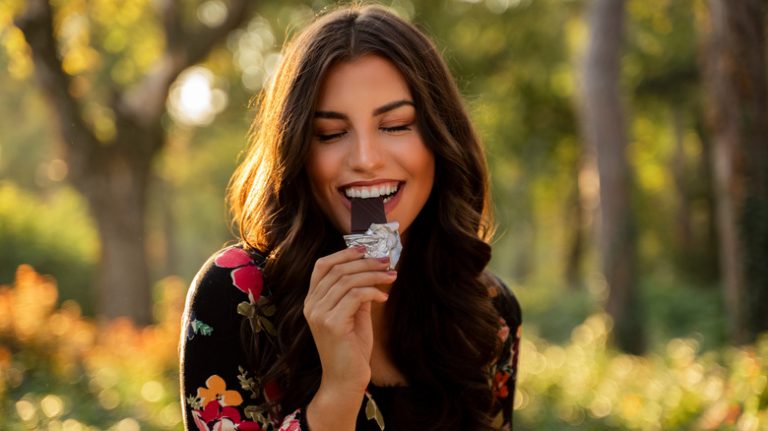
(220, 393)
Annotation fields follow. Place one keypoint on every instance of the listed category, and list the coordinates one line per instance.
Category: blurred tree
(604, 128)
(110, 154)
(735, 74)
(665, 88)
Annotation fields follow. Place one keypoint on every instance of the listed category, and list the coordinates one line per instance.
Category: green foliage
(584, 385)
(54, 233)
(677, 308)
(59, 370)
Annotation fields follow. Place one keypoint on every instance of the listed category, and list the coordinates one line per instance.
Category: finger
(320, 289)
(317, 307)
(337, 321)
(353, 281)
(326, 263)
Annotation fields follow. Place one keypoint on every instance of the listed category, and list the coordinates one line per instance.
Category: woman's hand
(338, 311)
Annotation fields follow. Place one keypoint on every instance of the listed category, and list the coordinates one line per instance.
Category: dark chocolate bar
(367, 211)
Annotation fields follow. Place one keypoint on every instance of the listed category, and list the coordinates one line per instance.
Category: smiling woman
(291, 329)
(365, 139)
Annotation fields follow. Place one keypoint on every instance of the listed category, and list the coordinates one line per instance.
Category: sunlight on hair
(194, 100)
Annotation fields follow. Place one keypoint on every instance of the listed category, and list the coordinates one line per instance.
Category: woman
(290, 329)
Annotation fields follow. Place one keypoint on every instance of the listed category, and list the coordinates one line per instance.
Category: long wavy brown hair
(442, 325)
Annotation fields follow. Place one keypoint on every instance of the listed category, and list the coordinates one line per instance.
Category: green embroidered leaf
(248, 383)
(269, 310)
(372, 412)
(245, 309)
(255, 413)
(201, 328)
(268, 326)
(194, 402)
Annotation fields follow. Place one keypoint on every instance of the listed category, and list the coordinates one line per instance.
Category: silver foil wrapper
(380, 240)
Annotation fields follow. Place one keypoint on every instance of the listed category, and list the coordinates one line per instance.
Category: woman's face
(366, 143)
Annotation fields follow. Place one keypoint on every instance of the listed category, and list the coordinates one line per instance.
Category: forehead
(369, 79)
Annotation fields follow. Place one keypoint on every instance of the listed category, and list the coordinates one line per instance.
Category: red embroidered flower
(214, 417)
(291, 422)
(213, 411)
(233, 258)
(248, 426)
(246, 276)
(292, 425)
(500, 389)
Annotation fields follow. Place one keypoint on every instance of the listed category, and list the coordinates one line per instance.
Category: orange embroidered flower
(217, 390)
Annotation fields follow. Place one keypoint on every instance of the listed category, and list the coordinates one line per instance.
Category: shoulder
(234, 272)
(504, 300)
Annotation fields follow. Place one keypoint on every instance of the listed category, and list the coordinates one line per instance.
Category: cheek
(316, 168)
(320, 173)
(430, 167)
(424, 165)
(315, 177)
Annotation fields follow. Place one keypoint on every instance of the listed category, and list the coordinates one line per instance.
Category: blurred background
(628, 146)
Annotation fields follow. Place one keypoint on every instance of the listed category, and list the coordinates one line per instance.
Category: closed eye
(395, 129)
(330, 136)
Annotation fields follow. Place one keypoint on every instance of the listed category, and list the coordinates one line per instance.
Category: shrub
(60, 370)
(53, 234)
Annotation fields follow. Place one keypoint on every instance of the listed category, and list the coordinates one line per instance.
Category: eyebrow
(378, 111)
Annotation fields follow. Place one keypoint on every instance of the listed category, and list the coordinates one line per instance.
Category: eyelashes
(403, 128)
(327, 137)
(330, 136)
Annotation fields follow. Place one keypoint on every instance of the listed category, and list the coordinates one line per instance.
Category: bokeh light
(194, 99)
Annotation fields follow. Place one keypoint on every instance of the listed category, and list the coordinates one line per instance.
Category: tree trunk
(575, 232)
(114, 175)
(735, 74)
(603, 125)
(683, 238)
(709, 269)
(118, 205)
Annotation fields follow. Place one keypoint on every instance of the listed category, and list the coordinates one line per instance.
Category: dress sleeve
(504, 371)
(218, 389)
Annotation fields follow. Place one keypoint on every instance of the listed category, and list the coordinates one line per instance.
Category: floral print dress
(220, 394)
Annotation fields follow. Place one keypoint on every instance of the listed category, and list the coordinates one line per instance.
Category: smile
(387, 190)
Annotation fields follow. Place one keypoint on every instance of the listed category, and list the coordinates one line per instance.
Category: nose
(366, 153)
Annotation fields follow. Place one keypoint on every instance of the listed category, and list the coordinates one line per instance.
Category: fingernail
(384, 259)
(392, 273)
(360, 248)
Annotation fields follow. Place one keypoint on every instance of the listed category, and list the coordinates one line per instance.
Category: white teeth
(371, 192)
